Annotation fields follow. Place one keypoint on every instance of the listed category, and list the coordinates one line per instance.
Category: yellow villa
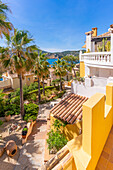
(93, 147)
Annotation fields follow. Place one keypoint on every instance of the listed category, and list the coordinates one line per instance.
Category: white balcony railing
(104, 57)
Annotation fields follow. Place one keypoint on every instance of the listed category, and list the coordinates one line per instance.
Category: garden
(10, 104)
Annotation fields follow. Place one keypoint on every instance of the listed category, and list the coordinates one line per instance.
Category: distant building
(12, 80)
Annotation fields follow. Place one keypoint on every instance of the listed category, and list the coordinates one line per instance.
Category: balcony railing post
(102, 57)
(80, 55)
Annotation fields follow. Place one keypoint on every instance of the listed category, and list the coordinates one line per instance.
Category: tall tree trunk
(39, 95)
(60, 84)
(43, 88)
(74, 72)
(21, 97)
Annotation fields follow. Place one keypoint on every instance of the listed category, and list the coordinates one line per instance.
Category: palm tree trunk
(60, 84)
(39, 96)
(21, 97)
(43, 88)
(74, 72)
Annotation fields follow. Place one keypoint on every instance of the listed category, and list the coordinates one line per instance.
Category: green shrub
(82, 79)
(1, 122)
(34, 91)
(56, 139)
(9, 112)
(78, 73)
(49, 87)
(2, 103)
(15, 100)
(33, 97)
(31, 111)
(14, 108)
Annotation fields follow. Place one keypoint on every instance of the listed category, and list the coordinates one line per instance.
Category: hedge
(36, 91)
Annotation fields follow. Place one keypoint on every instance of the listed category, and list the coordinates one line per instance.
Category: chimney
(94, 32)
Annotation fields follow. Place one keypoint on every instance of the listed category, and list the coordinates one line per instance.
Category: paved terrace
(32, 153)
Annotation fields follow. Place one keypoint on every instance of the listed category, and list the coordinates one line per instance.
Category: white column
(111, 31)
(93, 46)
(88, 42)
(112, 47)
(80, 59)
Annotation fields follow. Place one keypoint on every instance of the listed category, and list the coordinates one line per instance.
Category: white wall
(88, 42)
(87, 70)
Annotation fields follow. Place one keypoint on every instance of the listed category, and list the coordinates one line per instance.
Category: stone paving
(32, 154)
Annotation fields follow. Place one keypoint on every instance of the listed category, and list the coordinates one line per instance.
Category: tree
(5, 26)
(71, 62)
(45, 70)
(60, 69)
(18, 57)
(38, 70)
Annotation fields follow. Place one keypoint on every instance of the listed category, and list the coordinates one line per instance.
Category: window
(28, 79)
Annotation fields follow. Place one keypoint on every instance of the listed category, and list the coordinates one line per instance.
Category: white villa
(96, 64)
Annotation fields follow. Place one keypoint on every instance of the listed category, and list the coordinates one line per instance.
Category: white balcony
(98, 58)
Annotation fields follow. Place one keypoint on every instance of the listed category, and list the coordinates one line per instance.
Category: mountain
(62, 54)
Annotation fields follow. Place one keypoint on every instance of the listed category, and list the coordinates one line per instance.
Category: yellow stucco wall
(5, 83)
(70, 130)
(82, 69)
(97, 123)
(27, 80)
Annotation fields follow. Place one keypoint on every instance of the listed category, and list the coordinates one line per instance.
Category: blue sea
(51, 60)
(1, 79)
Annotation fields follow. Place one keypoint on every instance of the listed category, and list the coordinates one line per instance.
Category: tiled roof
(69, 109)
(106, 34)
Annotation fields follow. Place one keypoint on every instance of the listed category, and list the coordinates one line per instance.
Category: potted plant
(7, 116)
(79, 80)
(24, 132)
(75, 79)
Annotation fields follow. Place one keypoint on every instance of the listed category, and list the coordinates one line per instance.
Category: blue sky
(58, 25)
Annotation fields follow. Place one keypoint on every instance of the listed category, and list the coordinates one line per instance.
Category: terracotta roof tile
(70, 108)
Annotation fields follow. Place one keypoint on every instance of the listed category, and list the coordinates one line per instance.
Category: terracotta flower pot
(11, 148)
(7, 118)
(1, 149)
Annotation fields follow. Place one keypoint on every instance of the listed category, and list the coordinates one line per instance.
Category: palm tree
(71, 62)
(18, 57)
(5, 26)
(45, 70)
(60, 69)
(38, 70)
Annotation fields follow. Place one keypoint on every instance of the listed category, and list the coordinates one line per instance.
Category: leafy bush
(31, 112)
(56, 139)
(34, 91)
(14, 108)
(82, 79)
(33, 97)
(2, 103)
(1, 122)
(78, 74)
(58, 124)
(15, 100)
